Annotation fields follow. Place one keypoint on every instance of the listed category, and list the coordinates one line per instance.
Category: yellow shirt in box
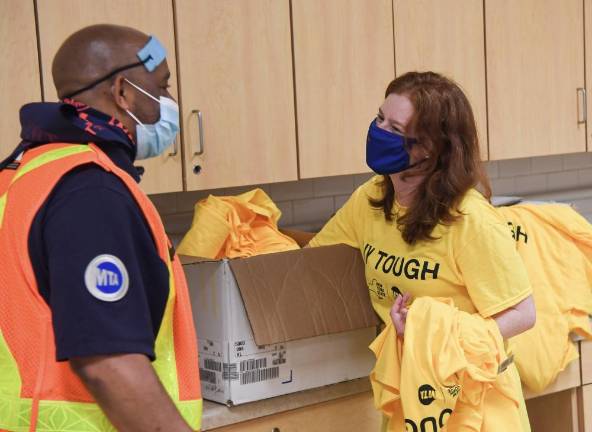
(473, 261)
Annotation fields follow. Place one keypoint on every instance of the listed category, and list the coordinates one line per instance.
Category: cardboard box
(280, 323)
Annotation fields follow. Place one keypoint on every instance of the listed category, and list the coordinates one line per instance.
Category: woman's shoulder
(372, 189)
(476, 211)
(478, 222)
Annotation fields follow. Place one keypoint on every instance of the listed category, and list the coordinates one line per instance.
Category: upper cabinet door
(343, 62)
(535, 65)
(19, 75)
(445, 36)
(588, 44)
(237, 94)
(162, 174)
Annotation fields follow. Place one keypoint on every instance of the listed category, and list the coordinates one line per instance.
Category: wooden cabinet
(535, 64)
(236, 67)
(557, 412)
(586, 361)
(588, 45)
(445, 36)
(585, 408)
(60, 18)
(19, 74)
(276, 90)
(351, 414)
(343, 61)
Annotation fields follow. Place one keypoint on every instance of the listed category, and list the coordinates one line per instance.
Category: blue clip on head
(152, 54)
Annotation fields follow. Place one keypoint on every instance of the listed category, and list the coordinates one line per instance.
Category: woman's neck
(405, 188)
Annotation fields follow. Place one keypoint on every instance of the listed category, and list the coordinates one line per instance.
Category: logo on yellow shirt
(377, 288)
(453, 390)
(426, 394)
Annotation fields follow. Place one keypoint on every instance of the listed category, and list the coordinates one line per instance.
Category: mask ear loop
(408, 143)
(141, 90)
(135, 118)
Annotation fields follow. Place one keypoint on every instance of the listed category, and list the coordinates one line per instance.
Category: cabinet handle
(175, 147)
(583, 114)
(200, 150)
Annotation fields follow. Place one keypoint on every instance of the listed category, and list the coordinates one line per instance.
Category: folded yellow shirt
(555, 244)
(445, 376)
(235, 226)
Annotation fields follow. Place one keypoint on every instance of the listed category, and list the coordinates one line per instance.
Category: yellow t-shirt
(473, 261)
(449, 373)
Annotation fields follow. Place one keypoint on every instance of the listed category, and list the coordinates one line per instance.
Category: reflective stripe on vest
(62, 416)
(41, 160)
(18, 412)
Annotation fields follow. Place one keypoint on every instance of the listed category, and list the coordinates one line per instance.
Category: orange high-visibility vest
(37, 393)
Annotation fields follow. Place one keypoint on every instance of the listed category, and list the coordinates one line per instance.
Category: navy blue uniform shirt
(88, 216)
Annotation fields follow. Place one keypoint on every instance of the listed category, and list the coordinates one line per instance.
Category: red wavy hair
(444, 126)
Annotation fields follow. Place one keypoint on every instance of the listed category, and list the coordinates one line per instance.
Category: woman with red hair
(424, 224)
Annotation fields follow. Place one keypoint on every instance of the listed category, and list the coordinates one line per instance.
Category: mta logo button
(106, 278)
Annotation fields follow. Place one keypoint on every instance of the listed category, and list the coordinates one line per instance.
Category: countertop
(217, 415)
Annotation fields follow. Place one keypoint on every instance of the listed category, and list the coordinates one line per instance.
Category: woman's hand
(399, 313)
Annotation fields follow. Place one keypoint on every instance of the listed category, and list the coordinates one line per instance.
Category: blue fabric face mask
(386, 152)
(154, 139)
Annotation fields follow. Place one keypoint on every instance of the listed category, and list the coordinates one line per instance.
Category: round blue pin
(106, 278)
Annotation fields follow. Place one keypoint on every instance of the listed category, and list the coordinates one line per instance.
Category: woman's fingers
(406, 298)
(399, 312)
(399, 323)
(397, 304)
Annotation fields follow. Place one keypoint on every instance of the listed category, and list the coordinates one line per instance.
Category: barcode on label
(230, 371)
(247, 365)
(207, 376)
(213, 365)
(258, 375)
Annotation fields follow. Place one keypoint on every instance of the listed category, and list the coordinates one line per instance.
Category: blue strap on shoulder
(152, 54)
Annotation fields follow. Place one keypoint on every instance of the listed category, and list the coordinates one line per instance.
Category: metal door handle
(175, 147)
(200, 150)
(583, 114)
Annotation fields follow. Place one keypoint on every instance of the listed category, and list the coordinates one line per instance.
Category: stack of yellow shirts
(235, 226)
(450, 373)
(555, 243)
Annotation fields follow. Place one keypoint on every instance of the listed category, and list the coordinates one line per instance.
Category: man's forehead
(162, 72)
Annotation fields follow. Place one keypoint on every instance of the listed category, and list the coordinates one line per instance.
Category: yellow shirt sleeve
(492, 269)
(345, 226)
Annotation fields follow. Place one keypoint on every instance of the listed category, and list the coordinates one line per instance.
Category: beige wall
(307, 204)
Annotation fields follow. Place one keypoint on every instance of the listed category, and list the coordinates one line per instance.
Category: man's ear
(122, 94)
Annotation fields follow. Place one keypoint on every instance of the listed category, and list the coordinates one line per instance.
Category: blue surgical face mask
(154, 139)
(386, 152)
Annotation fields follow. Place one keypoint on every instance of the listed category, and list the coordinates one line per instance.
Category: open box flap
(304, 293)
